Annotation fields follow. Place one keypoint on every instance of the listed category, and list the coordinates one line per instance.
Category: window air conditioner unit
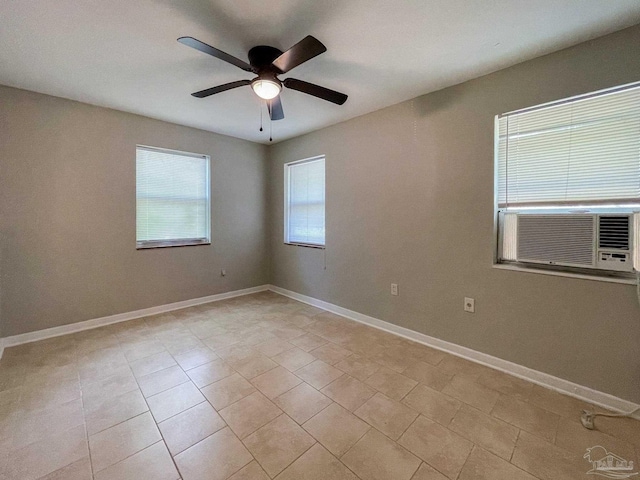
(596, 241)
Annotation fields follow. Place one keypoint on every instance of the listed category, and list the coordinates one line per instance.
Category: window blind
(305, 202)
(172, 197)
(580, 151)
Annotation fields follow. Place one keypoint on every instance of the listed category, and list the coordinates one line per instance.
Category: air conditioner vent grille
(614, 232)
(557, 239)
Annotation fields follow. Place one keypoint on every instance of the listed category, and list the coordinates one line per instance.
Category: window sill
(307, 245)
(182, 243)
(597, 278)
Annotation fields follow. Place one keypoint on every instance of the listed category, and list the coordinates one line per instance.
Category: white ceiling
(123, 54)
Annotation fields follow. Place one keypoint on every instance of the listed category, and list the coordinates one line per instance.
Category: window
(172, 198)
(575, 156)
(304, 202)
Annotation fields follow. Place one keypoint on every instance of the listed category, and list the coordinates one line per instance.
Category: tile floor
(263, 387)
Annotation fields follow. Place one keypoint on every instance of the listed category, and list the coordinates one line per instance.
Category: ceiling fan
(267, 63)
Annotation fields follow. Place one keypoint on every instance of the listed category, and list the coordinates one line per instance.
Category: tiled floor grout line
(151, 413)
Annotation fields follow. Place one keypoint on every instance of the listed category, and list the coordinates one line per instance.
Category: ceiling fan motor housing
(261, 59)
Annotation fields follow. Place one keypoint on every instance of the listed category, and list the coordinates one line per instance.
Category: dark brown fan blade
(304, 50)
(316, 91)
(221, 88)
(275, 108)
(214, 52)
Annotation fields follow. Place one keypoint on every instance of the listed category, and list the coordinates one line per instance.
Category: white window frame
(286, 201)
(180, 242)
(560, 207)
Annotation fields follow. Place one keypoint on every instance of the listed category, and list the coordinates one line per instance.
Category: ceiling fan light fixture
(266, 88)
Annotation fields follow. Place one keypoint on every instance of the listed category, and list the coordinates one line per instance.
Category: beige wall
(68, 206)
(410, 201)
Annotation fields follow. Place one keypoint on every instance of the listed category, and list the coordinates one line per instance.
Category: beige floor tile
(227, 391)
(358, 367)
(468, 391)
(546, 461)
(317, 464)
(114, 410)
(494, 435)
(427, 472)
(302, 402)
(101, 363)
(120, 441)
(348, 392)
(37, 424)
(220, 341)
(393, 358)
(330, 353)
(47, 455)
(275, 382)
(49, 375)
(153, 462)
(439, 447)
(362, 347)
(247, 415)
(483, 465)
(387, 415)
(573, 437)
(196, 357)
(80, 470)
(120, 382)
(152, 363)
(452, 365)
(216, 457)
(318, 374)
(11, 377)
(277, 444)
(526, 416)
(432, 404)
(237, 352)
(252, 471)
(252, 366)
(141, 349)
(301, 319)
(271, 348)
(189, 427)
(37, 396)
(378, 458)
(210, 372)
(294, 359)
(392, 384)
(288, 332)
(173, 401)
(308, 342)
(431, 355)
(162, 380)
(506, 384)
(182, 343)
(557, 403)
(428, 375)
(336, 428)
(627, 429)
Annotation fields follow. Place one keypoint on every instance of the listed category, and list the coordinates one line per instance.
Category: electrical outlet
(394, 289)
(469, 305)
(223, 273)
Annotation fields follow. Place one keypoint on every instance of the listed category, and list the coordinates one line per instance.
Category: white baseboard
(120, 317)
(566, 387)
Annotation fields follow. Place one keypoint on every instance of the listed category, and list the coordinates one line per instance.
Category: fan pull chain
(260, 116)
(270, 129)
